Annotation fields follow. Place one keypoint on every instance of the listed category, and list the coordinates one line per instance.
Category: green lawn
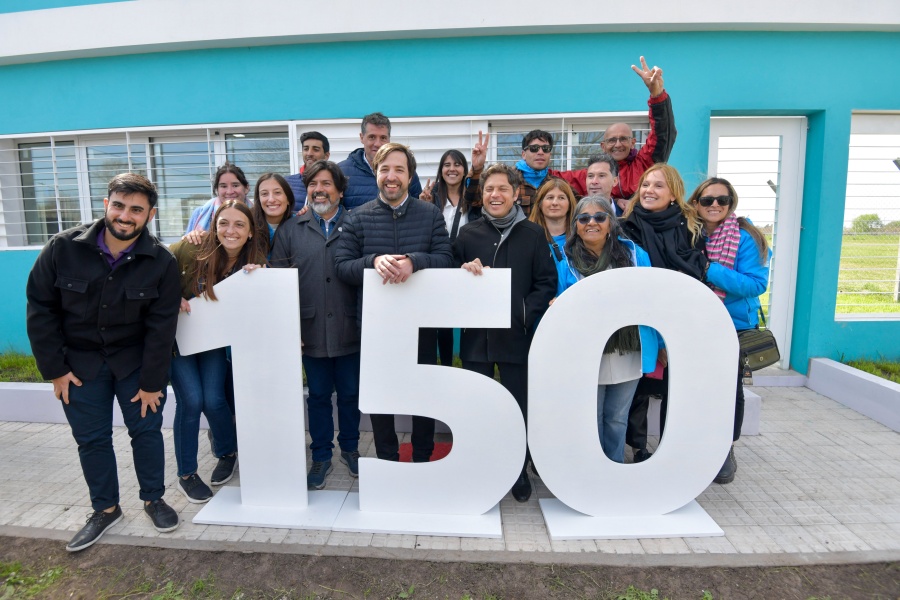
(868, 273)
(15, 366)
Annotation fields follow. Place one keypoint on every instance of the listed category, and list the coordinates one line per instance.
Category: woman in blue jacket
(595, 245)
(554, 210)
(738, 273)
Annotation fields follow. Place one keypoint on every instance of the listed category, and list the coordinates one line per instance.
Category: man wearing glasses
(618, 139)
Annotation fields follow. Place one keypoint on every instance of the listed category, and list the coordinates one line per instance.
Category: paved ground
(820, 484)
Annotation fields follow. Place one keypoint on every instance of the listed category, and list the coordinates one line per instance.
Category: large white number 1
(261, 323)
(488, 429)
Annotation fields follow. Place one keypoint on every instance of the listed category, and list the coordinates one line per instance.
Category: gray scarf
(505, 223)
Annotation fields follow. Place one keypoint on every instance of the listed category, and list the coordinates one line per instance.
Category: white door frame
(789, 203)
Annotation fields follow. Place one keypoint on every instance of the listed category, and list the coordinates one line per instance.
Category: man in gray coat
(328, 325)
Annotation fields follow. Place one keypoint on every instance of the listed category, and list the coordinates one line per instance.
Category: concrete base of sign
(352, 519)
(225, 508)
(563, 523)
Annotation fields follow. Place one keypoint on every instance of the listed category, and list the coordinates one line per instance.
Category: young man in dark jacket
(358, 167)
(504, 238)
(396, 235)
(328, 323)
(102, 308)
(313, 147)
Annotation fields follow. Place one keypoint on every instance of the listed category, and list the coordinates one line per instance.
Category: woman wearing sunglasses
(553, 211)
(659, 220)
(595, 245)
(738, 273)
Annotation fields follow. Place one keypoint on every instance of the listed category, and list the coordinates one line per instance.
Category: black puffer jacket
(416, 229)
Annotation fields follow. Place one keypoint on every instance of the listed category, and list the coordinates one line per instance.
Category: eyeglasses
(535, 147)
(617, 140)
(707, 201)
(599, 218)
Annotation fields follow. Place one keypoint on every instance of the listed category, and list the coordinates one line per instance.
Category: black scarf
(667, 239)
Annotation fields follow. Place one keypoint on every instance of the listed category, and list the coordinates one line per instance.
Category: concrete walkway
(820, 484)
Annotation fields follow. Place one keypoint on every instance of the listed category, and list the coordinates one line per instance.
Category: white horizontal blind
(50, 183)
(869, 276)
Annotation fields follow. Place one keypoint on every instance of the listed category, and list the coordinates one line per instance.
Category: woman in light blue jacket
(594, 245)
(738, 273)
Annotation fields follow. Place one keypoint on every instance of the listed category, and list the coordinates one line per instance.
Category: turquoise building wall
(823, 76)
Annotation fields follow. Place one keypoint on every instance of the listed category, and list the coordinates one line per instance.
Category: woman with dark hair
(273, 200)
(229, 183)
(199, 379)
(448, 193)
(659, 220)
(595, 245)
(554, 207)
(738, 273)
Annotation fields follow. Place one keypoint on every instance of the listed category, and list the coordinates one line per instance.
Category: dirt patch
(108, 571)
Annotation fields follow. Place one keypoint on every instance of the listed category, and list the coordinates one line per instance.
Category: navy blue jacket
(299, 189)
(361, 184)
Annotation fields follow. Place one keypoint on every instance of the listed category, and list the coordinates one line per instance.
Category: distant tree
(866, 224)
(891, 227)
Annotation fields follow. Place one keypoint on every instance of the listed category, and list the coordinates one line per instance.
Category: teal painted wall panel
(15, 266)
(823, 76)
(11, 6)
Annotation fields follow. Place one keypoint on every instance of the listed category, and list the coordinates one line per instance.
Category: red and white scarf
(722, 246)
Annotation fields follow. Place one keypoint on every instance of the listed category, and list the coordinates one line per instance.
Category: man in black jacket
(504, 238)
(328, 325)
(102, 308)
(396, 235)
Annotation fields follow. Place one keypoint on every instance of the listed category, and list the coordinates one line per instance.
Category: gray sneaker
(351, 459)
(194, 489)
(315, 479)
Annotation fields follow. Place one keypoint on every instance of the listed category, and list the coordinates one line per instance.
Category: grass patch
(886, 369)
(18, 582)
(18, 367)
(868, 273)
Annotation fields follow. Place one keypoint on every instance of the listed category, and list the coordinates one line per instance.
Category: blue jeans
(323, 377)
(90, 414)
(199, 384)
(613, 402)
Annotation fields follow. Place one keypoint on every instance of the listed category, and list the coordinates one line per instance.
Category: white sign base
(225, 508)
(564, 523)
(351, 518)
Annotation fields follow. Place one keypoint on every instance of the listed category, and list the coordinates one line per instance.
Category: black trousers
(445, 346)
(514, 377)
(387, 446)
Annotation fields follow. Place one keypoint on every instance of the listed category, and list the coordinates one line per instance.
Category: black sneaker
(96, 526)
(351, 459)
(194, 489)
(521, 489)
(224, 470)
(163, 516)
(315, 479)
(641, 455)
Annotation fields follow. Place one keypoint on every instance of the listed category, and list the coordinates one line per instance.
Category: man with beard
(328, 324)
(103, 303)
(396, 235)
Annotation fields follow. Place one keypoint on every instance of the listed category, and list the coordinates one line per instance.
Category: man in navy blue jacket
(313, 147)
(361, 186)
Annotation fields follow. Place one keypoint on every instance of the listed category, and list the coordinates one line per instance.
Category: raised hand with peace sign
(479, 152)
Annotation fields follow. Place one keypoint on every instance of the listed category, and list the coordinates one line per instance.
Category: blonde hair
(676, 186)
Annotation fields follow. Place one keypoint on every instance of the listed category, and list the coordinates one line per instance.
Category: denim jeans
(613, 402)
(199, 384)
(90, 414)
(323, 377)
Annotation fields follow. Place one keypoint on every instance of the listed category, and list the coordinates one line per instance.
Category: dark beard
(124, 237)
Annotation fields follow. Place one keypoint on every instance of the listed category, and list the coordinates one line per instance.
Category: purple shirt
(107, 254)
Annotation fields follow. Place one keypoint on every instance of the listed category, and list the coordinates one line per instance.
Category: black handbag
(758, 350)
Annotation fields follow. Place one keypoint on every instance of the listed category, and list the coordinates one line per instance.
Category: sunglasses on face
(599, 218)
(707, 201)
(535, 147)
